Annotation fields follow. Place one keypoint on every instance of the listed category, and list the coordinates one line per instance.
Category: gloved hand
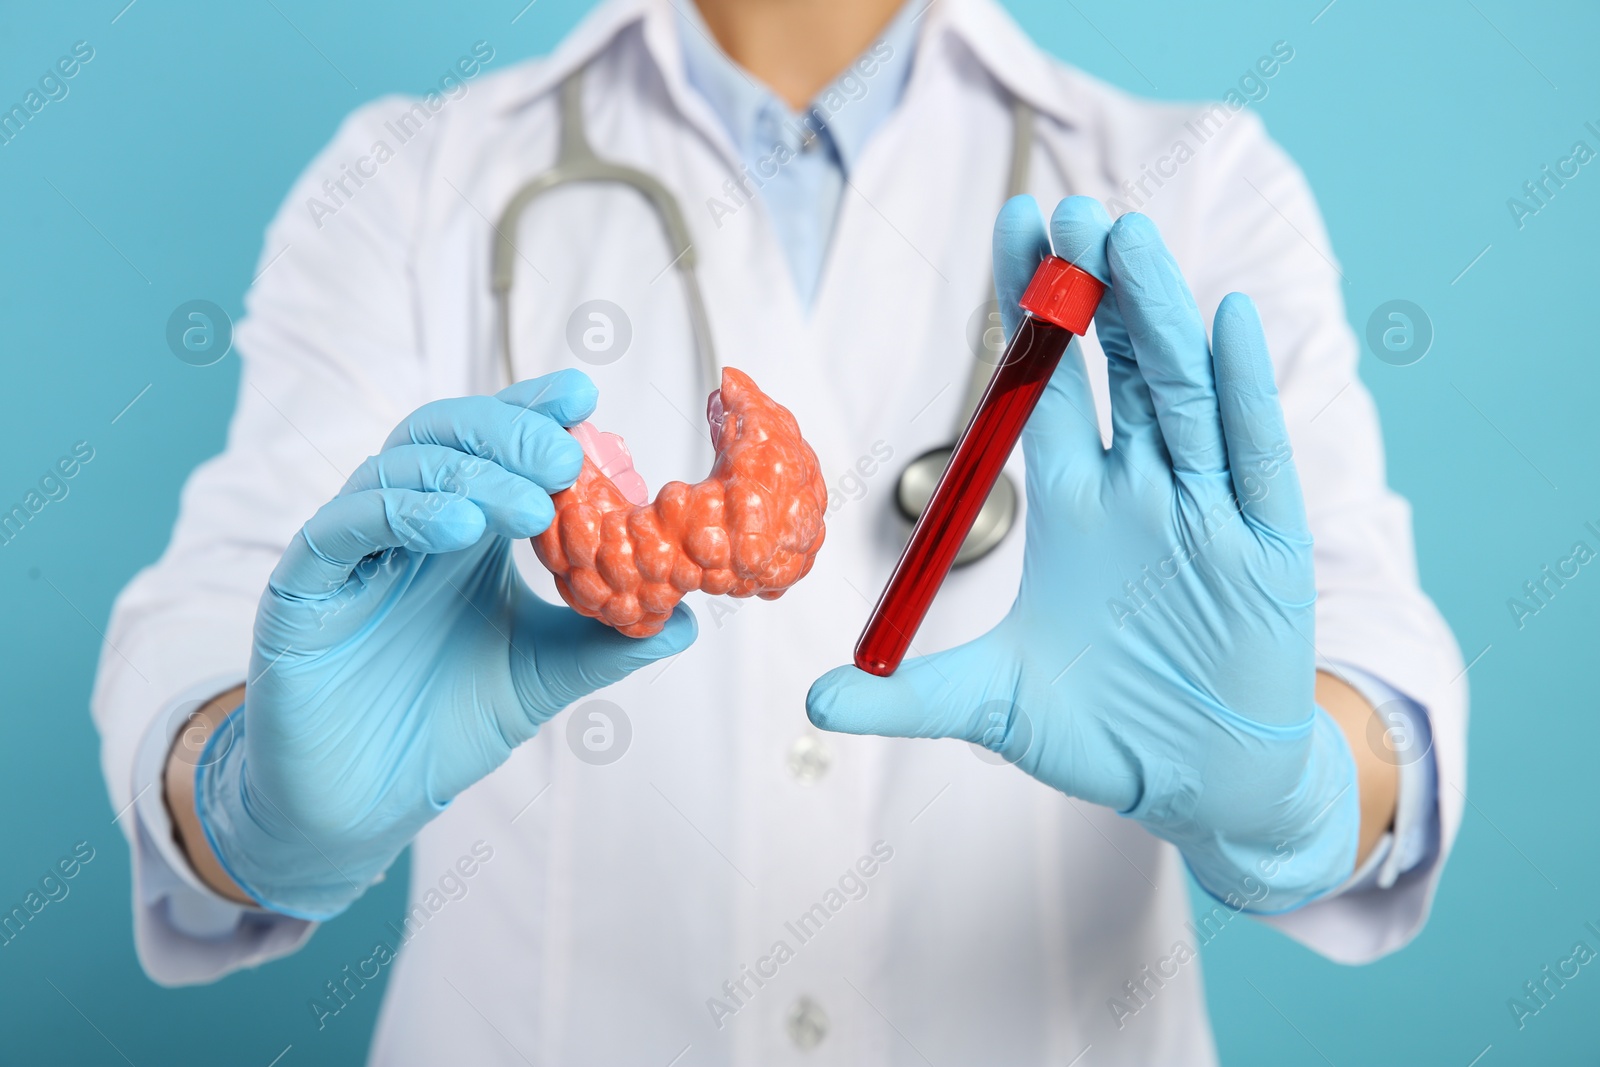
(399, 657)
(1158, 658)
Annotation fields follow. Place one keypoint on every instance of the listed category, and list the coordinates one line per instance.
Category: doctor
(714, 846)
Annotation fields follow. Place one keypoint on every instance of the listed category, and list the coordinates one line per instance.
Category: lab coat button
(809, 759)
(807, 1023)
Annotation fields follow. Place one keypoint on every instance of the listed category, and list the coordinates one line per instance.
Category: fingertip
(567, 396)
(1019, 234)
(681, 629)
(1239, 346)
(1020, 242)
(540, 510)
(460, 513)
(1018, 216)
(1079, 227)
(578, 398)
(1131, 235)
(442, 524)
(1131, 228)
(675, 635)
(822, 699)
(573, 379)
(546, 454)
(815, 712)
(1237, 311)
(819, 699)
(567, 463)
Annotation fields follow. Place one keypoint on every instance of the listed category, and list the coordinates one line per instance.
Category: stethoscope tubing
(576, 162)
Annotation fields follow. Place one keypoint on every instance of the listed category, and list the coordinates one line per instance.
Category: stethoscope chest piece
(915, 488)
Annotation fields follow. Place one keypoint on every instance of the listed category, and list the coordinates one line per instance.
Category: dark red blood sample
(1059, 302)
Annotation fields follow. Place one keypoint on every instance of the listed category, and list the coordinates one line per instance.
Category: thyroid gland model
(752, 528)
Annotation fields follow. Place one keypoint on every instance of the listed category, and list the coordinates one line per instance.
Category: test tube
(1060, 301)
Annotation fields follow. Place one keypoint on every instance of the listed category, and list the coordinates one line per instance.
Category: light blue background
(1415, 122)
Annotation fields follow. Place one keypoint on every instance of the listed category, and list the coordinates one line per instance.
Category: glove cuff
(1314, 849)
(278, 866)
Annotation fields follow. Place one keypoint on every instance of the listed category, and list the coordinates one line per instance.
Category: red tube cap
(1063, 294)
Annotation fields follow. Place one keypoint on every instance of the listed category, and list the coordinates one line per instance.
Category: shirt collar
(847, 111)
(735, 96)
(857, 103)
(1008, 56)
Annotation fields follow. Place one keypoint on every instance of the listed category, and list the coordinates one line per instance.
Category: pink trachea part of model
(751, 528)
(608, 452)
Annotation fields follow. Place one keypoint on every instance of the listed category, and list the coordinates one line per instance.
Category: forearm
(1377, 771)
(178, 788)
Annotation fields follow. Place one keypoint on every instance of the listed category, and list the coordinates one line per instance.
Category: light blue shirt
(799, 163)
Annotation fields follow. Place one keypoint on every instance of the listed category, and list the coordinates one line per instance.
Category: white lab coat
(620, 898)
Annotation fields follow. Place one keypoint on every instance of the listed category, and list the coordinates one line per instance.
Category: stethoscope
(576, 162)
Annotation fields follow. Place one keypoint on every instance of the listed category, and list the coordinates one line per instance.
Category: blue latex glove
(1158, 658)
(399, 657)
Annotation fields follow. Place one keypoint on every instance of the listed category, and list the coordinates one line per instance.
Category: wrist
(1308, 846)
(178, 792)
(1377, 764)
(265, 852)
